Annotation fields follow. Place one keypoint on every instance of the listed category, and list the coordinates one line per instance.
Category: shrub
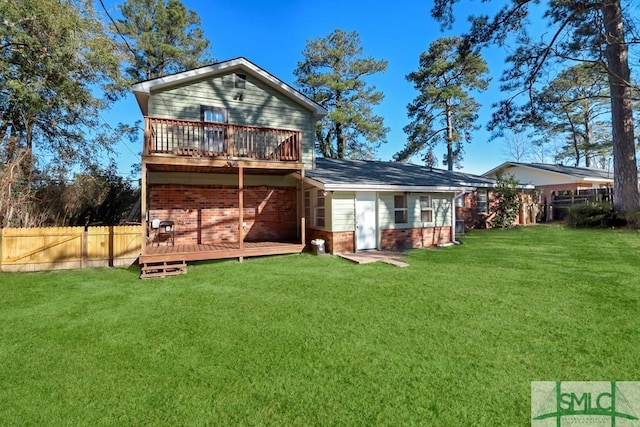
(507, 202)
(632, 218)
(594, 215)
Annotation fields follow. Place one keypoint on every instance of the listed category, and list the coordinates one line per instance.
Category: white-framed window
(214, 136)
(483, 201)
(307, 206)
(400, 209)
(426, 209)
(460, 200)
(320, 222)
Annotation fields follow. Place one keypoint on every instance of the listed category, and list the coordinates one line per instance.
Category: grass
(454, 339)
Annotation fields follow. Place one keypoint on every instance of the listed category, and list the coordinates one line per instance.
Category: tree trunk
(449, 136)
(340, 140)
(625, 169)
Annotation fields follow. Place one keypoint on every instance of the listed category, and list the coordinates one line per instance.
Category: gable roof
(578, 173)
(371, 175)
(143, 89)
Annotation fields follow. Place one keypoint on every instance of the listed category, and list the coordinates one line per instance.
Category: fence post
(111, 244)
(84, 245)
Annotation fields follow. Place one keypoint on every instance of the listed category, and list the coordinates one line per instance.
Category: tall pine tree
(578, 31)
(162, 37)
(333, 74)
(444, 111)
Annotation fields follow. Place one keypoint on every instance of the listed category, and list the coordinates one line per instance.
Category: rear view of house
(225, 150)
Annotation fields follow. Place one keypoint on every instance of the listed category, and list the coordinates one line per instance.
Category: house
(229, 171)
(226, 147)
(357, 204)
(553, 180)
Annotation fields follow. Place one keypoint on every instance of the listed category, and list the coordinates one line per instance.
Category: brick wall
(333, 242)
(405, 238)
(209, 214)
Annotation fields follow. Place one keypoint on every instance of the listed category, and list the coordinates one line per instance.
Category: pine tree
(333, 74)
(162, 37)
(443, 111)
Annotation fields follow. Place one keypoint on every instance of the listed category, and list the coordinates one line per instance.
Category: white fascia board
(243, 64)
(605, 180)
(394, 188)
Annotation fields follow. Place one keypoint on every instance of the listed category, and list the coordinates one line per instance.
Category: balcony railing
(220, 140)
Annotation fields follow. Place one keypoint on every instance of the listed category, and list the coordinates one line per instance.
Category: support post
(241, 208)
(303, 207)
(144, 229)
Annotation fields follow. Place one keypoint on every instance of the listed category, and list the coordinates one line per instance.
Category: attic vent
(241, 81)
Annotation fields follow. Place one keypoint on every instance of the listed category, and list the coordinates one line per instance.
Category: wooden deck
(196, 252)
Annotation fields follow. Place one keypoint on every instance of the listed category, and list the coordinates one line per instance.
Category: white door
(366, 233)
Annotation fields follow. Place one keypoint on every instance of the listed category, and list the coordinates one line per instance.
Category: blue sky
(273, 36)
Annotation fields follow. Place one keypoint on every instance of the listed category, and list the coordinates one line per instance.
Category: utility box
(317, 246)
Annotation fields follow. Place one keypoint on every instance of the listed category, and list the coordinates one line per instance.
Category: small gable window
(400, 209)
(241, 81)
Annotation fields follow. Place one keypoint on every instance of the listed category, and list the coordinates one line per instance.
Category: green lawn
(454, 339)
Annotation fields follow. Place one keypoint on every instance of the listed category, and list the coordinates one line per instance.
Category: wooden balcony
(220, 140)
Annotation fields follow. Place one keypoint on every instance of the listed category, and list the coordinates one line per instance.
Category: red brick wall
(334, 242)
(209, 214)
(392, 239)
(405, 238)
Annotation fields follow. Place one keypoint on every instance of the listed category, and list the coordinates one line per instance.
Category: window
(214, 136)
(400, 209)
(307, 206)
(426, 209)
(460, 201)
(241, 81)
(320, 209)
(482, 201)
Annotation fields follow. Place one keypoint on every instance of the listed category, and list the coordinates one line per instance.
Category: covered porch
(242, 208)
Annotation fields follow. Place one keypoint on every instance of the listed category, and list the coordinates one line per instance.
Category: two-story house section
(223, 163)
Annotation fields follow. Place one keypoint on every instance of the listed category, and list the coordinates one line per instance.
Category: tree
(444, 111)
(580, 31)
(507, 203)
(56, 60)
(576, 105)
(517, 147)
(333, 74)
(160, 37)
(53, 55)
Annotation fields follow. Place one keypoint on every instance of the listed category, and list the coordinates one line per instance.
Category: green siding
(441, 210)
(261, 106)
(343, 212)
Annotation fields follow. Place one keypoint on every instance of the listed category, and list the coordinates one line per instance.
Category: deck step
(162, 269)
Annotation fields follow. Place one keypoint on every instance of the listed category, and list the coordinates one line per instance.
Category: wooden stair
(152, 270)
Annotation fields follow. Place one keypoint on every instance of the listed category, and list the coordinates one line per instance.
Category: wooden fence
(562, 202)
(57, 248)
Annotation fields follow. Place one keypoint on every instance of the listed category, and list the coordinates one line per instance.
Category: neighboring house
(225, 150)
(358, 205)
(549, 178)
(552, 180)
